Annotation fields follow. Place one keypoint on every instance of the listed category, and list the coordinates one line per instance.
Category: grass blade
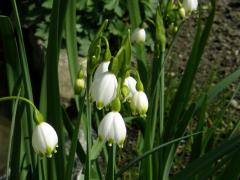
(50, 98)
(27, 85)
(198, 166)
(71, 39)
(147, 153)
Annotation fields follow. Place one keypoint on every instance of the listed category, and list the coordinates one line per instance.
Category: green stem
(89, 126)
(38, 117)
(11, 136)
(111, 163)
(73, 148)
(8, 98)
(161, 109)
(134, 13)
(135, 19)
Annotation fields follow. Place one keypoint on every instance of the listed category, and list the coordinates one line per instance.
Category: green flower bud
(79, 85)
(182, 12)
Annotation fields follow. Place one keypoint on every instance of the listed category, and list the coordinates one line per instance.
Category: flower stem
(8, 98)
(38, 117)
(89, 126)
(111, 163)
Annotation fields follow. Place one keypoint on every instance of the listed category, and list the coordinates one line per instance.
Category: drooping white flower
(44, 139)
(130, 82)
(139, 35)
(190, 5)
(112, 129)
(139, 103)
(102, 68)
(104, 89)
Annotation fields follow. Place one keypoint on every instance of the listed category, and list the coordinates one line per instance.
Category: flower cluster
(178, 11)
(105, 92)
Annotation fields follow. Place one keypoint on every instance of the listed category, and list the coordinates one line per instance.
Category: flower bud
(79, 85)
(139, 35)
(139, 103)
(182, 12)
(190, 5)
(112, 128)
(102, 68)
(104, 89)
(44, 139)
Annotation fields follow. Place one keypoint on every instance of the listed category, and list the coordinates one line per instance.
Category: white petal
(119, 128)
(112, 128)
(139, 102)
(105, 126)
(44, 136)
(139, 35)
(103, 67)
(104, 88)
(130, 82)
(190, 5)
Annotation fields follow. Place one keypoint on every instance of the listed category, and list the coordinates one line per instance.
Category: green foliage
(100, 31)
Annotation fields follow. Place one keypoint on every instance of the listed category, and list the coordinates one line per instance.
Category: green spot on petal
(120, 144)
(49, 152)
(100, 105)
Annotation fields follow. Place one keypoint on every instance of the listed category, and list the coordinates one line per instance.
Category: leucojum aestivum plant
(122, 88)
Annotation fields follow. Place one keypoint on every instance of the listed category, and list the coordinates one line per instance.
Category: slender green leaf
(96, 149)
(232, 170)
(198, 166)
(219, 87)
(50, 99)
(147, 153)
(70, 129)
(15, 106)
(71, 39)
(11, 54)
(183, 93)
(75, 141)
(28, 125)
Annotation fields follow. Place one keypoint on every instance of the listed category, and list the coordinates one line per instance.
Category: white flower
(102, 68)
(139, 35)
(44, 139)
(112, 128)
(139, 103)
(104, 89)
(130, 82)
(190, 5)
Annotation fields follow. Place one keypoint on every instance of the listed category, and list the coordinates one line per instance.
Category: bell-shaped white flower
(130, 82)
(104, 89)
(190, 5)
(139, 35)
(102, 68)
(139, 103)
(112, 128)
(44, 139)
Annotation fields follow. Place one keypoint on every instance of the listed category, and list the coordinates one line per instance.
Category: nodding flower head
(139, 35)
(104, 89)
(190, 5)
(139, 103)
(44, 139)
(112, 129)
(102, 68)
